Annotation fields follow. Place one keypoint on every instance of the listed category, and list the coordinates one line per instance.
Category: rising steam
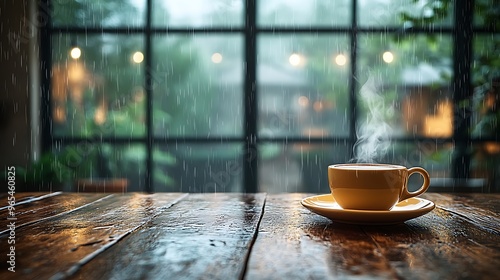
(373, 135)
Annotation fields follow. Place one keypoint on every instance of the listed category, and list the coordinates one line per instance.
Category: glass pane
(300, 167)
(486, 14)
(97, 85)
(485, 166)
(302, 84)
(406, 13)
(198, 13)
(303, 13)
(198, 168)
(198, 84)
(433, 156)
(98, 12)
(404, 87)
(486, 79)
(94, 161)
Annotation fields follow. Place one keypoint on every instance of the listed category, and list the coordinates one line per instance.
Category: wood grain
(438, 246)
(294, 243)
(39, 210)
(24, 197)
(252, 236)
(482, 211)
(60, 246)
(202, 237)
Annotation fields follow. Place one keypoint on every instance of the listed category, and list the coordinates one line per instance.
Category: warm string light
(295, 59)
(138, 57)
(217, 58)
(303, 101)
(388, 57)
(340, 60)
(75, 53)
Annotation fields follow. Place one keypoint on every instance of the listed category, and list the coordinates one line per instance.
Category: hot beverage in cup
(366, 186)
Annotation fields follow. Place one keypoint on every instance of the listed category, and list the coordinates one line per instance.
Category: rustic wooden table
(235, 236)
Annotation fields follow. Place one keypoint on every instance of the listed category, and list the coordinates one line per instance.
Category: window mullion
(45, 76)
(353, 101)
(250, 100)
(462, 57)
(149, 99)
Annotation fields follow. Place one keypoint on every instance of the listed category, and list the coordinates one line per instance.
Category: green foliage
(487, 50)
(110, 75)
(91, 12)
(182, 84)
(179, 82)
(127, 121)
(48, 169)
(485, 68)
(435, 10)
(487, 13)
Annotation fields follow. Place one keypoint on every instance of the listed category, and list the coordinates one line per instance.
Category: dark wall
(15, 134)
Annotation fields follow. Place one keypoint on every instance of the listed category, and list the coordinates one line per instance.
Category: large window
(235, 95)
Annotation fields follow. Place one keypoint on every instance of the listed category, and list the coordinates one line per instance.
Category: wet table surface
(240, 236)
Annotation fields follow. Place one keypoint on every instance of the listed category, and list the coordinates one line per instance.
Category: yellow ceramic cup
(366, 186)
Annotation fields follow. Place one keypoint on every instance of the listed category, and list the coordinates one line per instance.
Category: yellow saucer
(326, 206)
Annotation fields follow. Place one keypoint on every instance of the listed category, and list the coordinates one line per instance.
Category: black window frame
(462, 32)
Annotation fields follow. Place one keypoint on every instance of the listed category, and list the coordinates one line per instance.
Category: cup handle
(427, 180)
